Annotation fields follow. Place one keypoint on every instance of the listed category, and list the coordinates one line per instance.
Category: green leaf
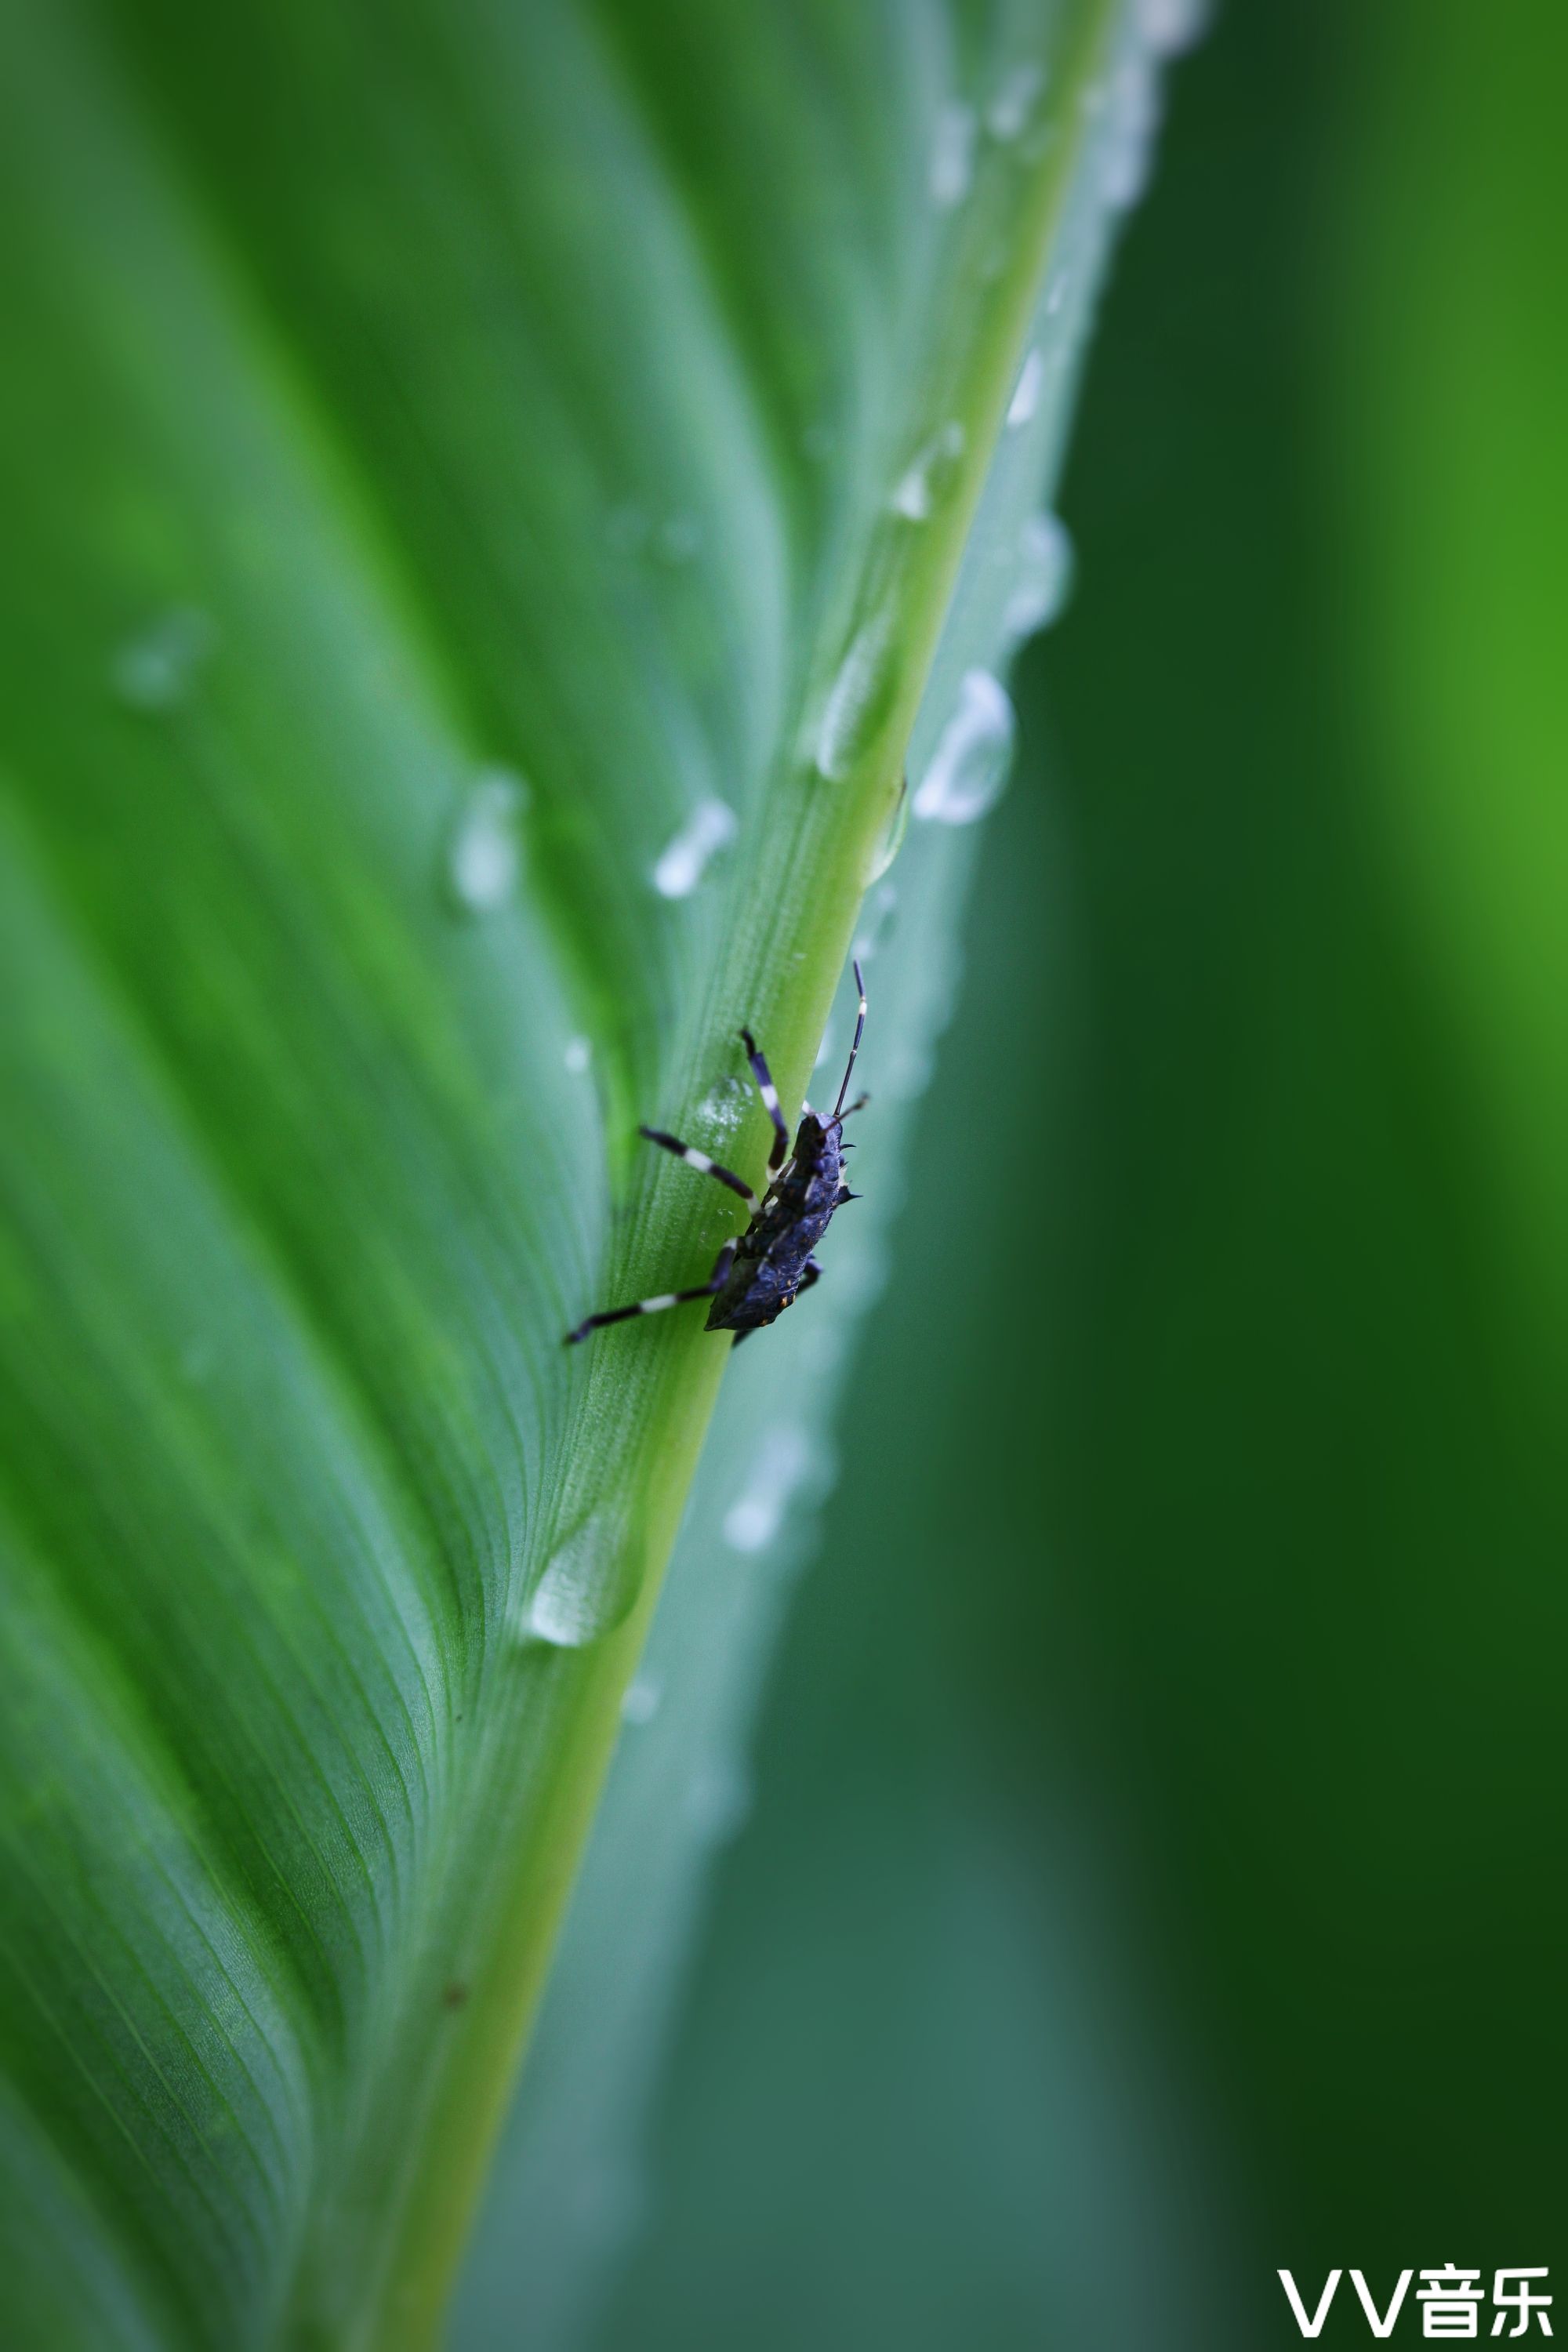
(448, 454)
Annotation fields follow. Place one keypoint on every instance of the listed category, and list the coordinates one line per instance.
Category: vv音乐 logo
(1452, 2300)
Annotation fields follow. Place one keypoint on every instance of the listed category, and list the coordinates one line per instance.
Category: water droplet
(577, 1054)
(926, 480)
(857, 701)
(1056, 297)
(1171, 25)
(1044, 577)
(719, 1801)
(642, 1699)
(875, 921)
(1131, 132)
(890, 838)
(1026, 391)
(678, 539)
(1009, 112)
(684, 860)
(784, 1460)
(156, 669)
(484, 857)
(953, 154)
(579, 1596)
(969, 766)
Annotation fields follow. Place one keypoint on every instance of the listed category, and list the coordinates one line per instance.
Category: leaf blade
(298, 1182)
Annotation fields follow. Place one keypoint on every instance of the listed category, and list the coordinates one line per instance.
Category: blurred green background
(1155, 1876)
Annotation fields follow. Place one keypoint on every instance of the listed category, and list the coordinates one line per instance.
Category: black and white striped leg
(770, 1095)
(700, 1161)
(716, 1281)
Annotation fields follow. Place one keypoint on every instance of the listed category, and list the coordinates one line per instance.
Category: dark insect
(757, 1277)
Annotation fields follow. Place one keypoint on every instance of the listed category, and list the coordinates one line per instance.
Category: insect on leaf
(483, 486)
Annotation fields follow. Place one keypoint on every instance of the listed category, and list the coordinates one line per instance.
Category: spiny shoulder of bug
(810, 1183)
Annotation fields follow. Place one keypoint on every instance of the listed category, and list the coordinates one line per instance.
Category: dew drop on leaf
(927, 479)
(484, 859)
(891, 839)
(787, 1458)
(1131, 128)
(857, 701)
(876, 919)
(1010, 112)
(642, 1699)
(1026, 391)
(1043, 577)
(953, 154)
(578, 1596)
(1171, 26)
(684, 858)
(969, 766)
(577, 1053)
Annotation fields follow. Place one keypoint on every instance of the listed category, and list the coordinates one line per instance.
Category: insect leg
(839, 1109)
(770, 1095)
(716, 1281)
(810, 1272)
(700, 1161)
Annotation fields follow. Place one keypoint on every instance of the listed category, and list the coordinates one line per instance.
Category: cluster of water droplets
(581, 1591)
(956, 131)
(1131, 100)
(722, 1111)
